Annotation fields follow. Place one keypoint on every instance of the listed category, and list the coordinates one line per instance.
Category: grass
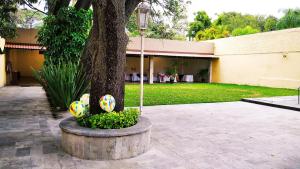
(185, 93)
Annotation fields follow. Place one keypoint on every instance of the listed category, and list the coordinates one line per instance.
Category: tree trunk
(107, 50)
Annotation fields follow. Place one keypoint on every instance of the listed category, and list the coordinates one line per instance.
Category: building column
(210, 70)
(151, 69)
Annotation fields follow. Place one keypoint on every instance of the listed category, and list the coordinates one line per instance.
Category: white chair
(188, 78)
(135, 78)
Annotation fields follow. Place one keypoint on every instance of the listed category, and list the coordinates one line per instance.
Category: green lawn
(184, 93)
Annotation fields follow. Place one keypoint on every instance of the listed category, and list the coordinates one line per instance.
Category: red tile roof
(23, 46)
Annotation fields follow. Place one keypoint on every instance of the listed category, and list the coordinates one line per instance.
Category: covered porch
(164, 59)
(158, 69)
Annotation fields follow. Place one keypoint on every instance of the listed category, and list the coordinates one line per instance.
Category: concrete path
(285, 102)
(234, 135)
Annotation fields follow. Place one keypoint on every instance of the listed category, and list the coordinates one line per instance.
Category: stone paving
(286, 102)
(233, 135)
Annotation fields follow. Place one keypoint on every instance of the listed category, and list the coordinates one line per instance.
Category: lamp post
(143, 10)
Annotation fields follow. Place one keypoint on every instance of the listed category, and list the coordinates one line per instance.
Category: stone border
(105, 144)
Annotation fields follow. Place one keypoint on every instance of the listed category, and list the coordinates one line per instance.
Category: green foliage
(63, 83)
(27, 18)
(244, 31)
(201, 22)
(132, 26)
(234, 20)
(214, 32)
(291, 19)
(7, 19)
(64, 35)
(169, 23)
(270, 23)
(111, 120)
(8, 9)
(160, 31)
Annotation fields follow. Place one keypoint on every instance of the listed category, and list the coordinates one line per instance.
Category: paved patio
(285, 102)
(233, 135)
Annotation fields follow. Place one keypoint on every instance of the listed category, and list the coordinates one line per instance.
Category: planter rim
(70, 125)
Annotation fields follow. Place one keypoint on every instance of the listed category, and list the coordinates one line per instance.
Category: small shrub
(63, 83)
(111, 120)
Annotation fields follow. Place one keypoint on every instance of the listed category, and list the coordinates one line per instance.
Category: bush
(64, 35)
(111, 120)
(63, 83)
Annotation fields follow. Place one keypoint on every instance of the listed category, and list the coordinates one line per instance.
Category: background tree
(235, 20)
(214, 32)
(270, 23)
(28, 18)
(160, 31)
(244, 31)
(168, 22)
(7, 18)
(201, 22)
(291, 19)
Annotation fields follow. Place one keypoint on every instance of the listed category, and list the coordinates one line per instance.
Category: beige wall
(267, 59)
(24, 60)
(25, 36)
(2, 64)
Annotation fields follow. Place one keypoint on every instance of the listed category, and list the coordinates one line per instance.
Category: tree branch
(130, 6)
(57, 5)
(83, 4)
(32, 7)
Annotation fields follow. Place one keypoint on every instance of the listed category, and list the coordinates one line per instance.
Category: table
(188, 78)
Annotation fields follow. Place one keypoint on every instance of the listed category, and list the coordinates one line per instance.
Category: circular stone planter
(105, 144)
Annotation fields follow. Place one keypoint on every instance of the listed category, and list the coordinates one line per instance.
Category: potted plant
(203, 74)
(172, 72)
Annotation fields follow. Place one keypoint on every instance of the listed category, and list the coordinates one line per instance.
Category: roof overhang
(171, 54)
(26, 46)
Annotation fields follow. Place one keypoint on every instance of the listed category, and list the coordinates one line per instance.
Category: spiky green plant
(63, 83)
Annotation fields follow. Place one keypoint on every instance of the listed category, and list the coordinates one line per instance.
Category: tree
(64, 35)
(104, 54)
(8, 16)
(201, 22)
(244, 31)
(28, 18)
(291, 19)
(234, 20)
(214, 32)
(105, 51)
(169, 23)
(270, 24)
(160, 31)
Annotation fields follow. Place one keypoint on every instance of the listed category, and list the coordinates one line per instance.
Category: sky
(262, 7)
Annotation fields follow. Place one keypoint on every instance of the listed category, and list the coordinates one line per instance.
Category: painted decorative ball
(85, 98)
(107, 103)
(78, 109)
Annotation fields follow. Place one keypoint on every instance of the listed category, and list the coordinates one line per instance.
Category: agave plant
(63, 83)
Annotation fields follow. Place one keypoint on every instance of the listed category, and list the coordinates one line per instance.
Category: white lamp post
(143, 10)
